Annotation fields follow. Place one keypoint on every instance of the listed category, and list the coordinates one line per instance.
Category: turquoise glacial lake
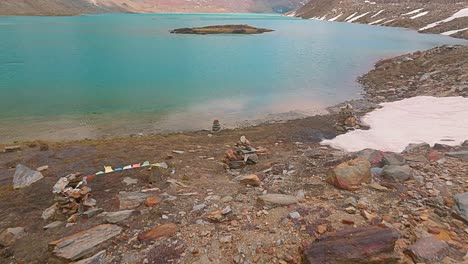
(119, 74)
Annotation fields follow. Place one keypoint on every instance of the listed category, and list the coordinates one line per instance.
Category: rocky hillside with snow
(449, 17)
(75, 7)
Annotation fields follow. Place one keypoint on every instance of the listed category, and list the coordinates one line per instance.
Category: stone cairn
(216, 126)
(347, 120)
(242, 154)
(72, 198)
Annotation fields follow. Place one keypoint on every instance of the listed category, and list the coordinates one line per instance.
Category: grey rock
(49, 212)
(442, 147)
(425, 77)
(417, 147)
(461, 205)
(350, 201)
(131, 200)
(129, 181)
(417, 158)
(117, 217)
(53, 225)
(376, 171)
(375, 157)
(428, 250)
(98, 258)
(294, 215)
(24, 177)
(9, 236)
(463, 155)
(278, 199)
(397, 173)
(225, 239)
(226, 199)
(199, 207)
(91, 213)
(391, 158)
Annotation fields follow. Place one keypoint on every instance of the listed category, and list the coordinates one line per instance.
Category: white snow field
(413, 120)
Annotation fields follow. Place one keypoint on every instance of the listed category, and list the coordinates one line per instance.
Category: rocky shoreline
(273, 196)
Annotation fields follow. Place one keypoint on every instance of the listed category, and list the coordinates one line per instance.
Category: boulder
(10, 235)
(397, 173)
(131, 200)
(351, 174)
(76, 246)
(391, 158)
(417, 147)
(373, 156)
(369, 244)
(24, 177)
(251, 179)
(278, 199)
(428, 250)
(442, 147)
(117, 217)
(158, 232)
(461, 205)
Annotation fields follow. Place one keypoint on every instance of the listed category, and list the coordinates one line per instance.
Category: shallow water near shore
(114, 75)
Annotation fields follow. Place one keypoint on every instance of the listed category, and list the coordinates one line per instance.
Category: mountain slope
(49, 7)
(449, 17)
(75, 7)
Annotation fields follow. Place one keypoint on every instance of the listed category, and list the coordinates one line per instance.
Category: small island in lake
(222, 29)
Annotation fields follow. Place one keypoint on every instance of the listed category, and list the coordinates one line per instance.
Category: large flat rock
(369, 244)
(24, 177)
(84, 243)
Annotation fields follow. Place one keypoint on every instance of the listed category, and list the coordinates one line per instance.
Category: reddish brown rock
(152, 201)
(158, 232)
(428, 250)
(347, 221)
(349, 175)
(251, 180)
(368, 244)
(433, 155)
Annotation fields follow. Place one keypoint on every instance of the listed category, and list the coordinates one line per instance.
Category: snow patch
(335, 18)
(419, 15)
(351, 16)
(413, 120)
(413, 12)
(461, 13)
(451, 32)
(358, 17)
(377, 21)
(388, 21)
(378, 13)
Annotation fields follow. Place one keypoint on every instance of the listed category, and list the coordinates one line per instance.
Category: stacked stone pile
(242, 154)
(347, 119)
(216, 126)
(72, 198)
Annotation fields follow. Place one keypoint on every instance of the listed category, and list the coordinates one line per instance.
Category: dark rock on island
(222, 29)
